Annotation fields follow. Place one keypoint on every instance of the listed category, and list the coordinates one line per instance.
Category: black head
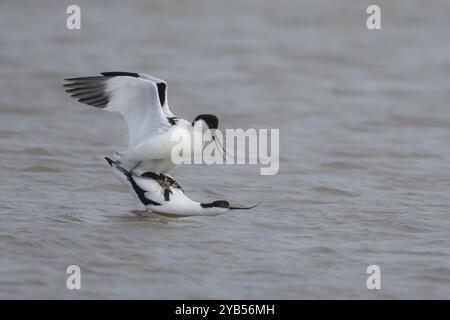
(211, 120)
(216, 204)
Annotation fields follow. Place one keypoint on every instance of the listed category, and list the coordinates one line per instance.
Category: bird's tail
(111, 162)
(116, 165)
(126, 177)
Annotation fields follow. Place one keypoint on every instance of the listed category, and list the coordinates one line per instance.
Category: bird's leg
(165, 182)
(165, 185)
(168, 179)
(135, 167)
(170, 182)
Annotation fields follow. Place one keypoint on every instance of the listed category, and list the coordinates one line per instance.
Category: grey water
(364, 177)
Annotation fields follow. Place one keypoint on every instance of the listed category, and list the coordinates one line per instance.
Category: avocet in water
(162, 194)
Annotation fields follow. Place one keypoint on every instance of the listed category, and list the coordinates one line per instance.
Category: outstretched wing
(136, 98)
(162, 92)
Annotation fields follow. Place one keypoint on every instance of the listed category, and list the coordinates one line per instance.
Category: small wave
(335, 191)
(413, 155)
(41, 168)
(341, 165)
(7, 134)
(19, 110)
(413, 121)
(37, 151)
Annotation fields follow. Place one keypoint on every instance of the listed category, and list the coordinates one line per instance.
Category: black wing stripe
(120, 74)
(84, 85)
(141, 193)
(84, 94)
(95, 102)
(162, 92)
(92, 98)
(86, 79)
(77, 85)
(101, 104)
(167, 193)
(91, 90)
(78, 90)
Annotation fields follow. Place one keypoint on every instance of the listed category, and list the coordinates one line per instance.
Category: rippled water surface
(364, 174)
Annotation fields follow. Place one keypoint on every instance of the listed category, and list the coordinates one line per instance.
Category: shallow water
(364, 160)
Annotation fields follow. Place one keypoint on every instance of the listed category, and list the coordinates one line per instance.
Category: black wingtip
(120, 74)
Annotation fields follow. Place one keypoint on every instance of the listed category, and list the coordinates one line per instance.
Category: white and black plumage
(142, 101)
(162, 194)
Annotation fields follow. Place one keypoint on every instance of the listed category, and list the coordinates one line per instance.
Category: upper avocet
(142, 101)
